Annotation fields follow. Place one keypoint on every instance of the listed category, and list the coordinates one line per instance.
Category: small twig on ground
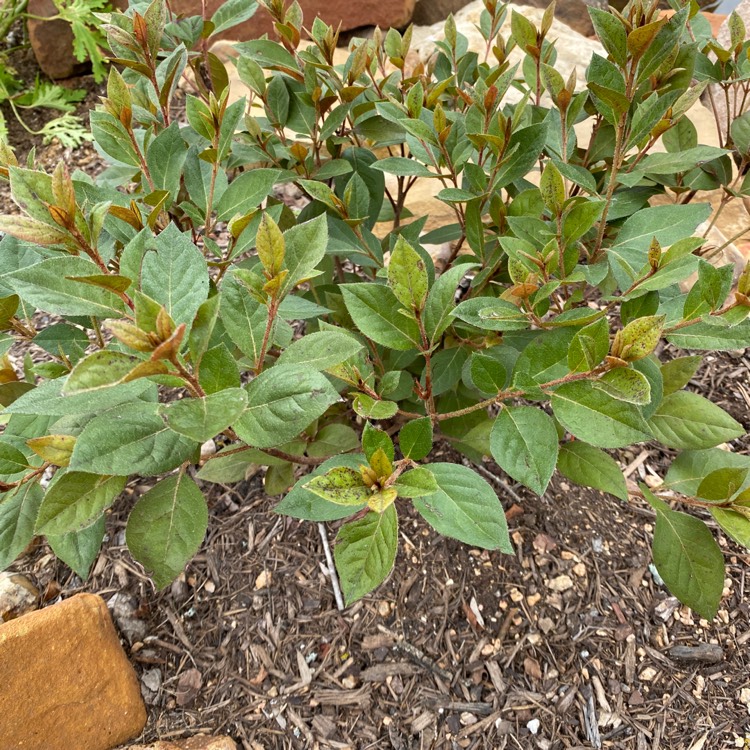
(417, 655)
(331, 568)
(497, 480)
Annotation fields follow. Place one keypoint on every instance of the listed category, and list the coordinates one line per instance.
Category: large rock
(52, 42)
(574, 50)
(351, 15)
(428, 12)
(66, 682)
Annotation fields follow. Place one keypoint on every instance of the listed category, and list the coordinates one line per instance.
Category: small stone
(648, 674)
(18, 595)
(546, 625)
(188, 687)
(468, 719)
(384, 608)
(263, 580)
(151, 681)
(124, 608)
(533, 599)
(560, 583)
(666, 608)
(66, 682)
(580, 570)
(533, 726)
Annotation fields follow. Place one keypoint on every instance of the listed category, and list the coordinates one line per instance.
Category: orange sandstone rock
(66, 682)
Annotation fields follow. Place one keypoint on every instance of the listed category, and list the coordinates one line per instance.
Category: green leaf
(740, 131)
(375, 311)
(524, 443)
(230, 465)
(491, 314)
(416, 483)
(75, 500)
(218, 370)
(687, 558)
(341, 486)
(678, 372)
(735, 525)
(174, 273)
(371, 408)
(589, 347)
(552, 188)
(639, 338)
(46, 285)
(686, 420)
(200, 419)
(165, 158)
(723, 484)
(105, 369)
(282, 402)
(407, 276)
(441, 300)
(166, 527)
(374, 439)
(306, 245)
(244, 317)
(591, 467)
(402, 167)
(688, 470)
(626, 384)
(709, 337)
(301, 503)
(365, 552)
(18, 511)
(415, 439)
(247, 192)
(596, 418)
(488, 374)
(465, 508)
(79, 549)
(320, 350)
(12, 461)
(130, 439)
(681, 161)
(47, 399)
(270, 245)
(332, 440)
(611, 34)
(231, 13)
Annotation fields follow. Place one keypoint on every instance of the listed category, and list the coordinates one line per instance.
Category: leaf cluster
(323, 342)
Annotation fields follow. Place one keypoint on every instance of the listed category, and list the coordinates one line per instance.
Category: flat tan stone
(66, 682)
(199, 742)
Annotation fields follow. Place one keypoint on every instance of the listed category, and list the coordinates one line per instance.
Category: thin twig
(331, 567)
(498, 480)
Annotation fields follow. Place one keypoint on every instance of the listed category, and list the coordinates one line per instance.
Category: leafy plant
(196, 305)
(87, 43)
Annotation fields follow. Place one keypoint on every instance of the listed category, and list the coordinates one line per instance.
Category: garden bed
(566, 644)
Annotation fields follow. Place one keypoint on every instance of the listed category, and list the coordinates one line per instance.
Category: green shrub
(180, 285)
